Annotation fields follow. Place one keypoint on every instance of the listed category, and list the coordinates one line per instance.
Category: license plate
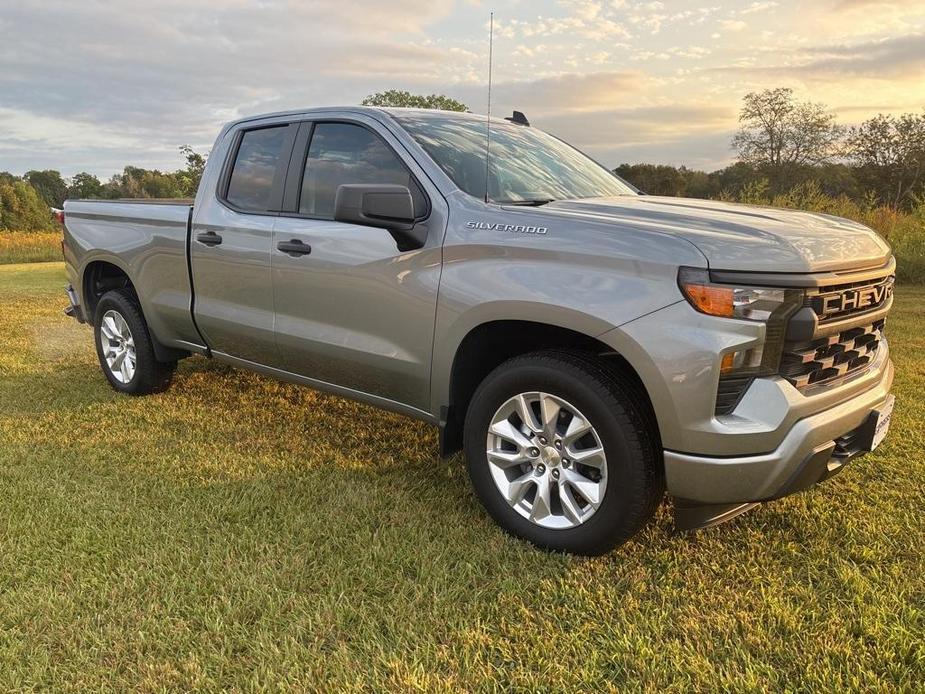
(883, 422)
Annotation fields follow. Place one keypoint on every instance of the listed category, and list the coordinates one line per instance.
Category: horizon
(90, 88)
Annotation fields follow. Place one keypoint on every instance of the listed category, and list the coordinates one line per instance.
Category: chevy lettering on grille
(854, 299)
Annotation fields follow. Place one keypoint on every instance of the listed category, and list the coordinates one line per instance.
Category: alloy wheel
(118, 346)
(547, 460)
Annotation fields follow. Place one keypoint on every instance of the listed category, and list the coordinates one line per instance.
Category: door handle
(209, 238)
(294, 248)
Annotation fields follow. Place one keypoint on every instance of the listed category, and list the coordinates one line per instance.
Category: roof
(391, 111)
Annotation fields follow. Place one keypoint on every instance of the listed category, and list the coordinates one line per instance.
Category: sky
(95, 85)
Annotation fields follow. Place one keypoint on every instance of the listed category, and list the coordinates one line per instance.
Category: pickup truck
(589, 347)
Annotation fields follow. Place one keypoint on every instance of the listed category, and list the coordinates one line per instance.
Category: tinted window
(341, 153)
(526, 163)
(254, 168)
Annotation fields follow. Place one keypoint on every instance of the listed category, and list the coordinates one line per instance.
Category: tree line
(26, 201)
(782, 144)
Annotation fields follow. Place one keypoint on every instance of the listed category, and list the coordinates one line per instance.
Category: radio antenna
(491, 38)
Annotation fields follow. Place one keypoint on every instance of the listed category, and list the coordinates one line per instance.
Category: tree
(85, 185)
(395, 97)
(135, 182)
(189, 177)
(655, 179)
(890, 155)
(778, 132)
(22, 209)
(49, 185)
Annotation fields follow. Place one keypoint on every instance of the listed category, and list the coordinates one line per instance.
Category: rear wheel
(125, 348)
(562, 453)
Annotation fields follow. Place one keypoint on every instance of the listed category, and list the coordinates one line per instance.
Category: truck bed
(148, 240)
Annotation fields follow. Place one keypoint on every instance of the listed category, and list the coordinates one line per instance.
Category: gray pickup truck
(588, 346)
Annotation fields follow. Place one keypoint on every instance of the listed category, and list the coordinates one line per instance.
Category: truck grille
(828, 359)
(830, 331)
(841, 301)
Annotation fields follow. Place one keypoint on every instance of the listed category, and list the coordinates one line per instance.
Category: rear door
(354, 308)
(230, 248)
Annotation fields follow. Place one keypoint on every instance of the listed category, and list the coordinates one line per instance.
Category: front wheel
(124, 346)
(561, 452)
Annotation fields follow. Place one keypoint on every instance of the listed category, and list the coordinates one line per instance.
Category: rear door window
(255, 166)
(343, 153)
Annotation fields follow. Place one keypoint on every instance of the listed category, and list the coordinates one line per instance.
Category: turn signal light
(712, 300)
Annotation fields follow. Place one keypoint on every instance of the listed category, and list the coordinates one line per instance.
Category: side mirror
(379, 205)
(373, 205)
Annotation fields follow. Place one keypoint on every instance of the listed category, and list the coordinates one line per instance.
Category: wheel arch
(489, 344)
(98, 277)
(101, 275)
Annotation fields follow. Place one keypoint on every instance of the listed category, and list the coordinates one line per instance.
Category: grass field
(239, 533)
(29, 246)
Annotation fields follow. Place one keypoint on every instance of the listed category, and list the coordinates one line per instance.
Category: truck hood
(741, 237)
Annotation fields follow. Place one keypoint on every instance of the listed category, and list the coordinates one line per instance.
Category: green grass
(238, 533)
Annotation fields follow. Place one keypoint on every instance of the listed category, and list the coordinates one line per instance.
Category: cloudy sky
(95, 84)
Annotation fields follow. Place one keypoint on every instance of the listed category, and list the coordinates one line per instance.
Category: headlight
(748, 303)
(769, 305)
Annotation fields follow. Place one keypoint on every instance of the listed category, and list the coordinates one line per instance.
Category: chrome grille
(827, 359)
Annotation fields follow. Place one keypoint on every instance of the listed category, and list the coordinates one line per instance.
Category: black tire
(151, 375)
(623, 420)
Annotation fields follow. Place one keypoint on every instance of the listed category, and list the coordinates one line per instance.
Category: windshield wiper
(527, 203)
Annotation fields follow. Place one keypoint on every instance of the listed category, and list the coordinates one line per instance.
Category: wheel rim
(547, 460)
(118, 346)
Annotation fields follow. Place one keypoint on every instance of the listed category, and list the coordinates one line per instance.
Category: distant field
(29, 246)
(238, 533)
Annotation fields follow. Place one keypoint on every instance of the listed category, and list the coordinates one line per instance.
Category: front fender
(450, 336)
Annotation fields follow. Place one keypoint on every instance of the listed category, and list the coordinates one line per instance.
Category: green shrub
(904, 231)
(22, 209)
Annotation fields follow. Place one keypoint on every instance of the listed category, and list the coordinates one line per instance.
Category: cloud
(864, 4)
(568, 93)
(695, 135)
(95, 85)
(579, 24)
(643, 125)
(161, 74)
(586, 10)
(759, 7)
(866, 18)
(884, 59)
(733, 24)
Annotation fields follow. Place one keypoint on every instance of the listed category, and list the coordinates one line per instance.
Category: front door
(352, 309)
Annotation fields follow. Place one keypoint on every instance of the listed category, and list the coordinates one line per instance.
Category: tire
(627, 487)
(119, 329)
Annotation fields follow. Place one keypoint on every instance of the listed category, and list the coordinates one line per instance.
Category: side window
(254, 168)
(341, 153)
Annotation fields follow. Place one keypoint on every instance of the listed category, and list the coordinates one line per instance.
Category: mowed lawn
(238, 533)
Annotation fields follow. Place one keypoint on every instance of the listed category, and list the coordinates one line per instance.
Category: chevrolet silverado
(588, 346)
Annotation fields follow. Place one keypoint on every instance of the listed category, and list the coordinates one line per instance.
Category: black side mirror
(379, 205)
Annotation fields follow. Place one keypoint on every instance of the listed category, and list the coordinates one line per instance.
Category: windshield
(527, 165)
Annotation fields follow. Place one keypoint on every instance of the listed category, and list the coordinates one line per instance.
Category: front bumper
(711, 489)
